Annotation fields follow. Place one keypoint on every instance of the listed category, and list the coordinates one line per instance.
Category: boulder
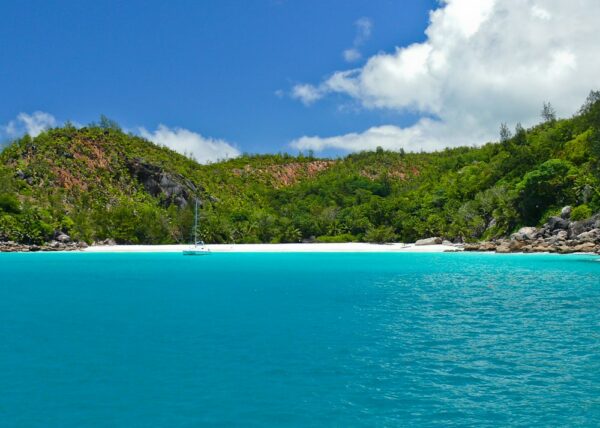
(488, 246)
(545, 232)
(63, 237)
(565, 249)
(558, 238)
(565, 213)
(557, 223)
(525, 234)
(429, 241)
(587, 247)
(503, 248)
(591, 236)
(576, 228)
(108, 241)
(515, 245)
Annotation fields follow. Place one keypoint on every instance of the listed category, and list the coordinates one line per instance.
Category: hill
(97, 183)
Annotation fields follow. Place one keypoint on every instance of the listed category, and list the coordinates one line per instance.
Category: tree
(520, 135)
(592, 99)
(505, 134)
(108, 124)
(548, 113)
(544, 187)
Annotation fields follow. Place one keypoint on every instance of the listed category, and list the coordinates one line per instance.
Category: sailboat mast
(196, 223)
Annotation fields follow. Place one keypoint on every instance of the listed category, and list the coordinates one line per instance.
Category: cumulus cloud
(32, 124)
(483, 62)
(426, 135)
(189, 143)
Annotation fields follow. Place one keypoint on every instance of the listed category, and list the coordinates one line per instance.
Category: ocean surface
(145, 340)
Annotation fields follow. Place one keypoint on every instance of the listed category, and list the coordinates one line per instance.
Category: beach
(347, 247)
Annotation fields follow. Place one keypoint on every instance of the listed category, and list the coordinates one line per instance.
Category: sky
(216, 78)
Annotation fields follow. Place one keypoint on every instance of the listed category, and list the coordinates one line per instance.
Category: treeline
(81, 182)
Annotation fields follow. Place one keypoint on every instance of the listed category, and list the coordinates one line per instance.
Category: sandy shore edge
(353, 247)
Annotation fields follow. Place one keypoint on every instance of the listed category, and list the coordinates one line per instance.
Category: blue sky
(286, 75)
(211, 66)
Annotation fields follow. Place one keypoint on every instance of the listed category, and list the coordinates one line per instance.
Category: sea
(299, 340)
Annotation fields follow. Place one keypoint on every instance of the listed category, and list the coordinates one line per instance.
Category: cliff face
(166, 187)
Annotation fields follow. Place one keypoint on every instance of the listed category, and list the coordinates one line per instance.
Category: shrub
(380, 235)
(345, 237)
(9, 204)
(581, 212)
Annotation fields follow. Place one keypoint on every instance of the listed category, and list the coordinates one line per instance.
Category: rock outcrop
(169, 188)
(558, 235)
(14, 247)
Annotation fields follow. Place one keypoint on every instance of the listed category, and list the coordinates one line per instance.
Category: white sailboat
(198, 248)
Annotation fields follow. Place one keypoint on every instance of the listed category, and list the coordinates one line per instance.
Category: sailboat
(198, 248)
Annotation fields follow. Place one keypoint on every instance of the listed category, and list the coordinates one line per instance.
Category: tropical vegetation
(98, 182)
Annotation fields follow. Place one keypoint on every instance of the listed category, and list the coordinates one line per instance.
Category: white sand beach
(350, 247)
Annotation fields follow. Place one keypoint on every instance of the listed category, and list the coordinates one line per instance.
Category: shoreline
(347, 247)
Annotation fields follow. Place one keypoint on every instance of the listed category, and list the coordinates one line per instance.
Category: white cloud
(363, 32)
(352, 54)
(427, 135)
(32, 124)
(363, 29)
(483, 62)
(308, 94)
(189, 143)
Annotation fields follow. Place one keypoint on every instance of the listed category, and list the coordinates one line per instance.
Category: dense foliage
(83, 182)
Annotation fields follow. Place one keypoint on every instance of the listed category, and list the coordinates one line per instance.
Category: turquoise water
(299, 340)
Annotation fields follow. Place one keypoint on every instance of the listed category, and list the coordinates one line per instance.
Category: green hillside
(98, 183)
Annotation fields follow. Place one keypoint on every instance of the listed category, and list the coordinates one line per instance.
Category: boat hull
(196, 252)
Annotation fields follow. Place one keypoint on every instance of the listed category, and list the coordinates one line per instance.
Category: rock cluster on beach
(558, 235)
(14, 247)
(62, 242)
